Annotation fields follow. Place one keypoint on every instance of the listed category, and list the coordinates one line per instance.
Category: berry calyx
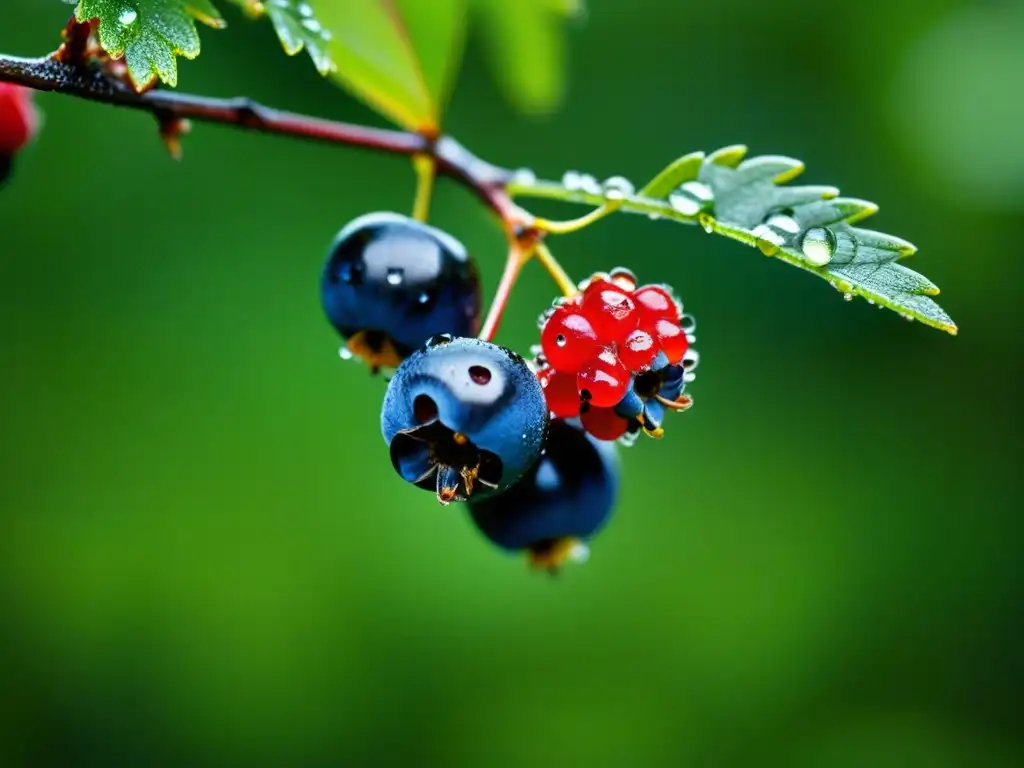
(463, 418)
(569, 339)
(563, 501)
(391, 282)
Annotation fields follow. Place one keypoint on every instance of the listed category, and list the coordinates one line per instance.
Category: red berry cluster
(596, 343)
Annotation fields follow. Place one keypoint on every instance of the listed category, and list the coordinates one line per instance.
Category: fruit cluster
(528, 445)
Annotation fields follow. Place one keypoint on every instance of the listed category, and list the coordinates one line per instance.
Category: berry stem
(426, 172)
(575, 225)
(558, 274)
(518, 256)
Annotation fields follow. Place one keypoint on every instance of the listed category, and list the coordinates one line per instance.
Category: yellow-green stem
(426, 170)
(558, 274)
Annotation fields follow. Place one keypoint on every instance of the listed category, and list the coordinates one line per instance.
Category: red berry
(604, 423)
(561, 393)
(655, 303)
(568, 340)
(672, 340)
(18, 118)
(638, 351)
(611, 311)
(604, 379)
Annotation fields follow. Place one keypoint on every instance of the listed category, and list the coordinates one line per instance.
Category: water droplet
(560, 340)
(127, 17)
(691, 359)
(617, 187)
(590, 184)
(845, 286)
(688, 323)
(653, 216)
(628, 440)
(572, 181)
(847, 297)
(325, 35)
(395, 275)
(782, 223)
(689, 377)
(579, 553)
(684, 204)
(304, 9)
(345, 354)
(312, 25)
(767, 240)
(707, 222)
(691, 338)
(424, 297)
(819, 245)
(524, 176)
(624, 278)
(871, 302)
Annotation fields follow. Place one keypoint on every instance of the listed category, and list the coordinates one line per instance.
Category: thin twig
(453, 160)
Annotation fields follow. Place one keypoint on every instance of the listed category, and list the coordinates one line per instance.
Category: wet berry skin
(567, 497)
(391, 282)
(464, 418)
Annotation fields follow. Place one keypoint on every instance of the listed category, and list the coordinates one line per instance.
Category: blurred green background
(206, 558)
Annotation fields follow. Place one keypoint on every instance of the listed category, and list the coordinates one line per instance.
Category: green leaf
(378, 54)
(525, 41)
(808, 226)
(298, 28)
(812, 228)
(149, 34)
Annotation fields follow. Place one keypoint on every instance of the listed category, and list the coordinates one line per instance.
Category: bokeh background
(205, 556)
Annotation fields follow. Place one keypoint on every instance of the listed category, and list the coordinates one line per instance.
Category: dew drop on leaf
(617, 187)
(345, 354)
(767, 239)
(313, 26)
(847, 297)
(819, 246)
(127, 17)
(525, 176)
(305, 10)
(782, 223)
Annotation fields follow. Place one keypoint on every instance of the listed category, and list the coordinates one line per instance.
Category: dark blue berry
(564, 500)
(391, 282)
(464, 418)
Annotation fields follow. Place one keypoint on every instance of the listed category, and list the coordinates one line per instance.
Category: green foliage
(524, 41)
(150, 33)
(297, 28)
(810, 227)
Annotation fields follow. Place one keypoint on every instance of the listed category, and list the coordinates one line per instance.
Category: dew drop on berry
(395, 276)
(655, 303)
(638, 351)
(604, 423)
(611, 311)
(603, 381)
(623, 278)
(688, 323)
(568, 340)
(691, 358)
(672, 340)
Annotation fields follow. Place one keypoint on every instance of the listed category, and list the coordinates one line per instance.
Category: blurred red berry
(18, 118)
(604, 423)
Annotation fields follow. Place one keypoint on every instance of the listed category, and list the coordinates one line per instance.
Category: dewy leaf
(807, 226)
(150, 33)
(298, 28)
(437, 29)
(378, 59)
(525, 41)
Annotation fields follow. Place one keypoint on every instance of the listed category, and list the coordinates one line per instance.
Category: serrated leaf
(812, 228)
(525, 42)
(297, 27)
(149, 34)
(378, 58)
